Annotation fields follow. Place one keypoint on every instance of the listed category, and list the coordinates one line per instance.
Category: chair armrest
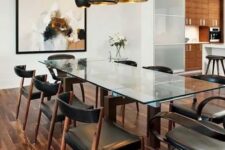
(187, 123)
(205, 102)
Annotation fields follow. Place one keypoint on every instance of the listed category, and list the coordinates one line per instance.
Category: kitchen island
(212, 49)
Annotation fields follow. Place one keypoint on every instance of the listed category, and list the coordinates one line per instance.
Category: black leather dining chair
(60, 75)
(48, 107)
(191, 134)
(29, 92)
(96, 133)
(134, 64)
(160, 69)
(212, 111)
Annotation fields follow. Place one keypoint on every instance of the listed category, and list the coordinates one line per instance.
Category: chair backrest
(75, 113)
(160, 68)
(22, 72)
(59, 73)
(49, 89)
(61, 56)
(127, 62)
(211, 78)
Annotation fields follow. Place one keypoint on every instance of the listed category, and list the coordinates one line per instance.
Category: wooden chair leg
(63, 143)
(52, 125)
(26, 114)
(18, 105)
(207, 69)
(137, 106)
(37, 126)
(123, 114)
(96, 97)
(82, 91)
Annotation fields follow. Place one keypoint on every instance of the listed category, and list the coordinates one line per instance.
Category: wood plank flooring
(12, 136)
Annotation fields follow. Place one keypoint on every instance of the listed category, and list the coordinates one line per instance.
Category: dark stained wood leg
(223, 66)
(18, 105)
(103, 93)
(96, 97)
(123, 114)
(110, 103)
(152, 140)
(137, 106)
(37, 126)
(82, 91)
(218, 68)
(52, 125)
(213, 67)
(26, 114)
(68, 83)
(207, 69)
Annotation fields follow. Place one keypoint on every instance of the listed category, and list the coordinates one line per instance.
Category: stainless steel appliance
(214, 34)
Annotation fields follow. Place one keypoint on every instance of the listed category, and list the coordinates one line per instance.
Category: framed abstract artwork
(50, 26)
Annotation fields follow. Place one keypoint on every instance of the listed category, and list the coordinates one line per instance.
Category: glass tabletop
(145, 86)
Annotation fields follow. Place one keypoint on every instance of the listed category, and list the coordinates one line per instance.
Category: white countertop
(197, 43)
(222, 45)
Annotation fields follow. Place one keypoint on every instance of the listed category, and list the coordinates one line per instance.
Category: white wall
(101, 22)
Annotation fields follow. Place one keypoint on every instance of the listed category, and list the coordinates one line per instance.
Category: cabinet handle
(186, 21)
(190, 21)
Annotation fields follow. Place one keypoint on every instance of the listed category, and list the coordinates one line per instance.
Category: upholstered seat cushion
(187, 139)
(35, 93)
(215, 57)
(48, 107)
(112, 137)
(213, 111)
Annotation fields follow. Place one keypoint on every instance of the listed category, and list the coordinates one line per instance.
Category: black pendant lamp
(82, 3)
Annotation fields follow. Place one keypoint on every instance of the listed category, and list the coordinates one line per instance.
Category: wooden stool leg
(207, 69)
(213, 67)
(218, 68)
(37, 126)
(82, 91)
(26, 114)
(96, 97)
(18, 105)
(223, 66)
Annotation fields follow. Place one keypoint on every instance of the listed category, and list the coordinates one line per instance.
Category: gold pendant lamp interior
(103, 2)
(132, 1)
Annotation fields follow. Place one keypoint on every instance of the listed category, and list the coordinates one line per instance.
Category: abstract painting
(49, 26)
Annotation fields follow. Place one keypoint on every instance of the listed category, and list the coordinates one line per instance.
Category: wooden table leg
(68, 83)
(152, 140)
(110, 103)
(103, 93)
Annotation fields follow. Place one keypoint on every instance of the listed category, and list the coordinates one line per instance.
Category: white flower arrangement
(117, 40)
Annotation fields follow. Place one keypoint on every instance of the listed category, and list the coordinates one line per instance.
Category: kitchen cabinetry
(197, 12)
(214, 13)
(203, 12)
(193, 57)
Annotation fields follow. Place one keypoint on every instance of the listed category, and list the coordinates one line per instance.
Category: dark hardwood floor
(12, 136)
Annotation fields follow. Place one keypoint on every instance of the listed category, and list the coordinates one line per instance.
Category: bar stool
(215, 58)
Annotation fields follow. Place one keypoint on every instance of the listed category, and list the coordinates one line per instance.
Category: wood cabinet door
(193, 57)
(214, 13)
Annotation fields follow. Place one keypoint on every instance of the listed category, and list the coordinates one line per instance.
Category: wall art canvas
(44, 26)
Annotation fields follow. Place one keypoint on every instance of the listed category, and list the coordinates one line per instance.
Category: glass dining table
(131, 84)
